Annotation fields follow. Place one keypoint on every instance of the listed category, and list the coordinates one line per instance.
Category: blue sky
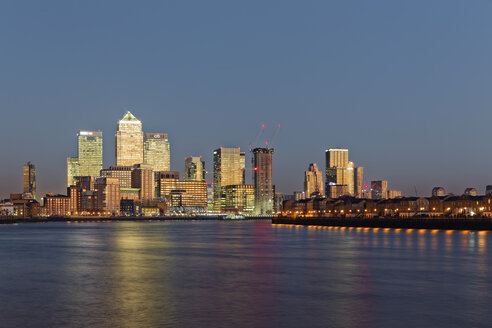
(405, 85)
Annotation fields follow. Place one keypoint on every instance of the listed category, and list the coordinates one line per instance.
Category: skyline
(410, 100)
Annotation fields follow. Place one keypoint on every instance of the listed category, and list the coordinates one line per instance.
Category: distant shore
(15, 220)
(475, 223)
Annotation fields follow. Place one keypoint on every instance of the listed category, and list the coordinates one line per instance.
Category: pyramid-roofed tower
(129, 141)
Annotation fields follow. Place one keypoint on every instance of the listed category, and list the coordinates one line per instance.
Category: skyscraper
(157, 151)
(339, 170)
(263, 180)
(194, 169)
(129, 141)
(379, 189)
(358, 181)
(313, 181)
(228, 170)
(89, 161)
(29, 175)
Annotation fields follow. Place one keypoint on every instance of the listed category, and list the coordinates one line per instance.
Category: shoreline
(476, 224)
(15, 220)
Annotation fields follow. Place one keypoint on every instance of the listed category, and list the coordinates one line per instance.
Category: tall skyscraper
(313, 181)
(229, 164)
(89, 161)
(194, 169)
(379, 189)
(157, 151)
(29, 175)
(339, 170)
(337, 157)
(263, 180)
(358, 181)
(129, 141)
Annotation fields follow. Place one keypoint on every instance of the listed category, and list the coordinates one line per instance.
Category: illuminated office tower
(90, 152)
(228, 170)
(194, 169)
(239, 198)
(348, 178)
(143, 178)
(313, 181)
(379, 189)
(72, 170)
(89, 161)
(129, 141)
(156, 151)
(337, 157)
(122, 173)
(358, 181)
(108, 195)
(263, 180)
(29, 175)
(339, 170)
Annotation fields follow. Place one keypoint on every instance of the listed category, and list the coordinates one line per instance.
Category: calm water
(241, 274)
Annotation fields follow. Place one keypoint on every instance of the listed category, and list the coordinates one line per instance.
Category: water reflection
(241, 274)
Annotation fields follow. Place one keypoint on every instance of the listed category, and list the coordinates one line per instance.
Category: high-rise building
(339, 171)
(157, 151)
(122, 173)
(228, 170)
(29, 179)
(239, 198)
(166, 182)
(313, 181)
(129, 141)
(143, 178)
(72, 170)
(358, 181)
(90, 144)
(263, 180)
(194, 169)
(438, 191)
(89, 161)
(108, 195)
(337, 157)
(379, 189)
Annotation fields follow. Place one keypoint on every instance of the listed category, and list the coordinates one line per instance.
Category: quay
(94, 219)
(473, 223)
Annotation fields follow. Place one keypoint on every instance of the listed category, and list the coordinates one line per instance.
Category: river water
(241, 274)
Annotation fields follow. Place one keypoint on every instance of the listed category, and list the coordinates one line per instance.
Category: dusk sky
(406, 86)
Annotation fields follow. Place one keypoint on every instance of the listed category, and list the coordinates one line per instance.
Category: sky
(404, 85)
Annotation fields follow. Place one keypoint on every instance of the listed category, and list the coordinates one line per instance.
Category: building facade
(143, 178)
(122, 173)
(313, 181)
(379, 189)
(239, 198)
(194, 169)
(263, 180)
(229, 164)
(157, 151)
(29, 179)
(129, 141)
(358, 181)
(89, 161)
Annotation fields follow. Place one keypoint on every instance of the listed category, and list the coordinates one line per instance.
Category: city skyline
(415, 111)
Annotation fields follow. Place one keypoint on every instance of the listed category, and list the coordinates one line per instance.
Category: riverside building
(229, 164)
(263, 180)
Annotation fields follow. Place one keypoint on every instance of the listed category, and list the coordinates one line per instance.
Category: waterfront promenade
(478, 223)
